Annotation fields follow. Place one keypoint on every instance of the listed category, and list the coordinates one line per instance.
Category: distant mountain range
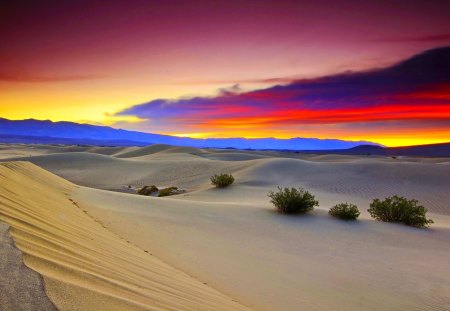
(47, 132)
(68, 133)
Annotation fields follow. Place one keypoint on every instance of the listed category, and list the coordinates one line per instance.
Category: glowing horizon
(398, 141)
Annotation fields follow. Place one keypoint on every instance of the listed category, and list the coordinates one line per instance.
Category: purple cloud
(413, 89)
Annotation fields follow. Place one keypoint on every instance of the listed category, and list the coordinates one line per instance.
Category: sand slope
(274, 262)
(85, 266)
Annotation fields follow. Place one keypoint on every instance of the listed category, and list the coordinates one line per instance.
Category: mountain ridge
(31, 130)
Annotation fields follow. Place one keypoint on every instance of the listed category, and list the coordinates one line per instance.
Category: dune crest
(84, 265)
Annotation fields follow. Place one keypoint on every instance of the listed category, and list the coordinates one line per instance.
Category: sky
(281, 69)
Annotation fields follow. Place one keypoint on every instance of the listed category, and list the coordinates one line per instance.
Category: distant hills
(68, 133)
(47, 132)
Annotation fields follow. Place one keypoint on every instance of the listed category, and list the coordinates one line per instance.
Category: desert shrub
(168, 191)
(292, 201)
(400, 209)
(222, 180)
(147, 190)
(345, 211)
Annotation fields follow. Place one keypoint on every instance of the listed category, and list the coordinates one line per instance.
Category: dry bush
(400, 209)
(292, 200)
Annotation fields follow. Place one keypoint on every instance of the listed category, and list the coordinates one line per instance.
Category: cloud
(442, 37)
(35, 78)
(273, 80)
(414, 90)
(232, 90)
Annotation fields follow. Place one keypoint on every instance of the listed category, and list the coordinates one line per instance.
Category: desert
(225, 155)
(208, 248)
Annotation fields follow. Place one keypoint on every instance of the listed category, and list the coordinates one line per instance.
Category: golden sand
(85, 266)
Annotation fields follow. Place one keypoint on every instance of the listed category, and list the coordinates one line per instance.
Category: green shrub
(400, 209)
(222, 180)
(345, 211)
(168, 191)
(293, 201)
(147, 190)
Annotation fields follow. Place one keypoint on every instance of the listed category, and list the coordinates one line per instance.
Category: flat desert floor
(98, 246)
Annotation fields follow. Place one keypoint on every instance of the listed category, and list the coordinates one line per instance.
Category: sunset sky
(229, 68)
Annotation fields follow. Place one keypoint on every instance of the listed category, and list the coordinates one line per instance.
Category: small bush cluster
(400, 209)
(222, 180)
(153, 190)
(391, 209)
(292, 200)
(345, 211)
(168, 191)
(148, 190)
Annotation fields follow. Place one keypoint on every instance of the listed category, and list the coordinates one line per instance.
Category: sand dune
(106, 172)
(232, 156)
(79, 258)
(158, 148)
(90, 169)
(361, 178)
(20, 150)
